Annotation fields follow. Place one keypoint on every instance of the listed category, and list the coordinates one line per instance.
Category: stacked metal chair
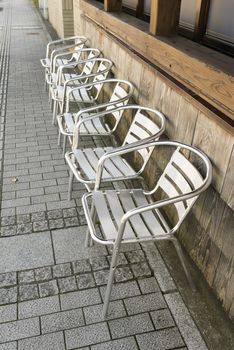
(116, 217)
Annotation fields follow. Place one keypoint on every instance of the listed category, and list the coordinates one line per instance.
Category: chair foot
(59, 138)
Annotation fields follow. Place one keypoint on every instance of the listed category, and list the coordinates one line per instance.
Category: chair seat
(90, 127)
(111, 205)
(114, 168)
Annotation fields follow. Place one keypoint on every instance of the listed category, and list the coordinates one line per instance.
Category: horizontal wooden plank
(205, 72)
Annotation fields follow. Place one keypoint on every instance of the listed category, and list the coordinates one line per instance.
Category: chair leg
(55, 112)
(110, 281)
(64, 144)
(59, 138)
(70, 185)
(182, 260)
(88, 238)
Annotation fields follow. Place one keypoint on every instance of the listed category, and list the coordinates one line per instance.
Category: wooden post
(112, 5)
(164, 17)
(202, 10)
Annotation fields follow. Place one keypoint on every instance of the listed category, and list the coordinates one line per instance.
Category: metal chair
(137, 215)
(64, 47)
(120, 91)
(92, 70)
(56, 76)
(147, 125)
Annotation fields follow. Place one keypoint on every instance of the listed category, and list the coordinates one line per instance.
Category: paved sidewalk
(51, 287)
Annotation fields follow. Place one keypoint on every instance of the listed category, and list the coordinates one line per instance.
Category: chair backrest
(144, 128)
(88, 66)
(120, 95)
(181, 177)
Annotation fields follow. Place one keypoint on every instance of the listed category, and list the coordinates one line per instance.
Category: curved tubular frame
(90, 214)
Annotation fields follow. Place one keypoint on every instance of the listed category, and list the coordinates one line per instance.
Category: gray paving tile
(8, 313)
(19, 329)
(69, 245)
(119, 344)
(185, 323)
(38, 307)
(132, 325)
(62, 320)
(87, 335)
(25, 252)
(122, 290)
(162, 319)
(93, 314)
(148, 285)
(9, 346)
(53, 341)
(162, 340)
(79, 299)
(143, 303)
(8, 295)
(8, 279)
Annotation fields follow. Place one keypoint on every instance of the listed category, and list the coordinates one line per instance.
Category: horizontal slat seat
(111, 205)
(115, 167)
(90, 127)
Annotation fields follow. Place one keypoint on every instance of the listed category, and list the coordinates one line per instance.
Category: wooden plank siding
(209, 76)
(61, 17)
(207, 234)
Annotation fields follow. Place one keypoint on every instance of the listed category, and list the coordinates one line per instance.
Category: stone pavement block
(40, 226)
(93, 314)
(8, 313)
(32, 208)
(80, 299)
(123, 273)
(8, 220)
(19, 329)
(162, 319)
(141, 269)
(8, 295)
(87, 335)
(69, 245)
(8, 230)
(62, 270)
(132, 325)
(62, 320)
(81, 266)
(43, 273)
(165, 339)
(85, 280)
(135, 256)
(119, 344)
(101, 277)
(25, 252)
(185, 323)
(26, 276)
(53, 341)
(38, 307)
(148, 285)
(122, 290)
(67, 284)
(121, 259)
(24, 229)
(8, 279)
(9, 346)
(61, 204)
(48, 288)
(99, 263)
(143, 303)
(28, 291)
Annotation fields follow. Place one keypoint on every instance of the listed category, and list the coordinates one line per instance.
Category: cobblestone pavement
(51, 287)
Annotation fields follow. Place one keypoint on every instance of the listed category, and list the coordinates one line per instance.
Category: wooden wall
(208, 233)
